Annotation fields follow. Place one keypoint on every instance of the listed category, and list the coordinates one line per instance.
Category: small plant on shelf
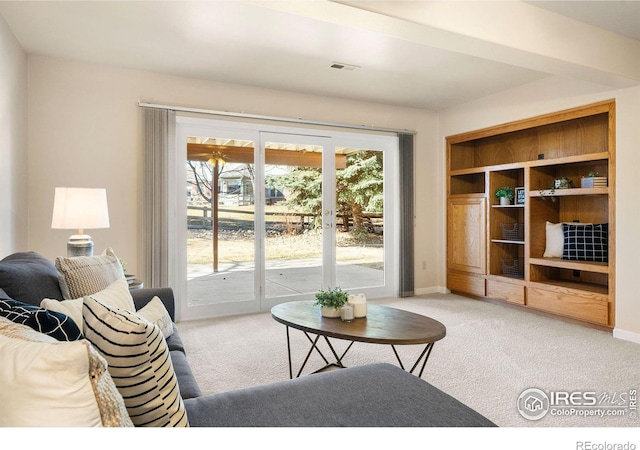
(558, 183)
(507, 193)
(331, 300)
(593, 179)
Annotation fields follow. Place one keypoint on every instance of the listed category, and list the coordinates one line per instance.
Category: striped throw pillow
(139, 363)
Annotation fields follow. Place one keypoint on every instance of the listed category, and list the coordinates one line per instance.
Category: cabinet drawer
(582, 305)
(511, 292)
(467, 283)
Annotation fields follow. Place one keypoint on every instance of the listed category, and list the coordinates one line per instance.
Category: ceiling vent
(343, 66)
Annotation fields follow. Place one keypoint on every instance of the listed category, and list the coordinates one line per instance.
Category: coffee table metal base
(424, 355)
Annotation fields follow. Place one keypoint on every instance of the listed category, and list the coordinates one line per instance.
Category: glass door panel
(293, 215)
(360, 259)
(220, 174)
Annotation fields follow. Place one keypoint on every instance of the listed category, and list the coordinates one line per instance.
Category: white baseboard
(432, 290)
(626, 335)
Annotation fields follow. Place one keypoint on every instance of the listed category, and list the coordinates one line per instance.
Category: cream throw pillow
(117, 295)
(49, 383)
(156, 313)
(86, 275)
(555, 240)
(139, 363)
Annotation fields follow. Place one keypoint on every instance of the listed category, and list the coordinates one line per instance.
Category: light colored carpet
(491, 354)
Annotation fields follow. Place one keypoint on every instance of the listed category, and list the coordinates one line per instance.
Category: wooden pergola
(218, 154)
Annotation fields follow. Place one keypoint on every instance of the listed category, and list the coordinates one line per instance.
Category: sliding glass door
(274, 214)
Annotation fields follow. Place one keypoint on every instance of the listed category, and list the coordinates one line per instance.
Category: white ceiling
(423, 54)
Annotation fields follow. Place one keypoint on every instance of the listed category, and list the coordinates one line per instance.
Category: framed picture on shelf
(519, 196)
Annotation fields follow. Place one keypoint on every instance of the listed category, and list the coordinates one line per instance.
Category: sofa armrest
(143, 296)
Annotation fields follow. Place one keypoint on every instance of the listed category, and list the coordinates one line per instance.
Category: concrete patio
(235, 282)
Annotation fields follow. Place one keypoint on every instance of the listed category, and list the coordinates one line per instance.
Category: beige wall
(85, 130)
(13, 143)
(554, 94)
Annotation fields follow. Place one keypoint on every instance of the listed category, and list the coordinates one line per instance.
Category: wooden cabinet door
(466, 234)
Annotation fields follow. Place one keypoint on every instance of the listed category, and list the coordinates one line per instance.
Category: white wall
(13, 143)
(554, 94)
(85, 129)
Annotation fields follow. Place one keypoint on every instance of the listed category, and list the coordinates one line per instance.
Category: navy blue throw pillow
(52, 323)
(586, 242)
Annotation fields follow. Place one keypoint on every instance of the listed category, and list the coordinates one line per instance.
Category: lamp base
(80, 245)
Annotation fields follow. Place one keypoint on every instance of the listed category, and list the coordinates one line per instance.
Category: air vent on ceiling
(343, 66)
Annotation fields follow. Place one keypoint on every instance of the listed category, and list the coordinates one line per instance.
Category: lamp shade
(80, 208)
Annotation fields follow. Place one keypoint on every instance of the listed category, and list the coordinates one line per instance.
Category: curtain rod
(274, 118)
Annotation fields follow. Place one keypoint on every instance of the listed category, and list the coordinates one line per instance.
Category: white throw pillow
(156, 313)
(139, 362)
(49, 383)
(86, 275)
(117, 295)
(72, 308)
(555, 240)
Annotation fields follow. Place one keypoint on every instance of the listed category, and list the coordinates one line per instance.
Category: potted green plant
(506, 194)
(331, 301)
(593, 179)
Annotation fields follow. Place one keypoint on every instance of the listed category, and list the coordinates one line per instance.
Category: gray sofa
(375, 395)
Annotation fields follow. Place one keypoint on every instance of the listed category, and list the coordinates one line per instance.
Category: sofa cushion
(188, 386)
(86, 275)
(375, 395)
(29, 277)
(49, 383)
(174, 342)
(139, 362)
(52, 323)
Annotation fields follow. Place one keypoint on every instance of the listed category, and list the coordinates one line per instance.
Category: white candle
(359, 303)
(346, 313)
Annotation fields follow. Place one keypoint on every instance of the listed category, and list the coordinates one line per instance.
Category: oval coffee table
(382, 325)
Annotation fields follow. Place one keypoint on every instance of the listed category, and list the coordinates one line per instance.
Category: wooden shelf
(587, 266)
(569, 192)
(470, 195)
(586, 157)
(532, 154)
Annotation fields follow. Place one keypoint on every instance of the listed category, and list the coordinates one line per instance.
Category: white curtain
(159, 130)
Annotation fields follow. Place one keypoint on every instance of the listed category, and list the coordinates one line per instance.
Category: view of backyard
(221, 241)
(285, 239)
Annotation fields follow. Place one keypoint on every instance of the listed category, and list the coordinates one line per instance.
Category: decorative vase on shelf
(329, 312)
(504, 201)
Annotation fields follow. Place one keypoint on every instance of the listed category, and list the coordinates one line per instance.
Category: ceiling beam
(510, 32)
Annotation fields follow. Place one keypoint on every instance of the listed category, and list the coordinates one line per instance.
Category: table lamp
(80, 209)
